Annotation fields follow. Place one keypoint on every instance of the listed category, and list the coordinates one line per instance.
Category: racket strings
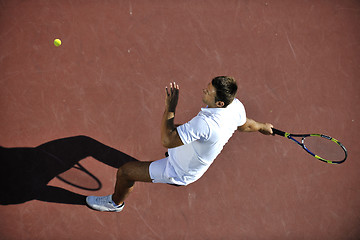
(324, 148)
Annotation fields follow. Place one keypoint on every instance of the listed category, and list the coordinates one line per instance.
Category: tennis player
(192, 147)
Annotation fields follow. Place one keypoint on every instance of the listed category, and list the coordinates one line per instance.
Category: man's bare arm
(169, 135)
(254, 126)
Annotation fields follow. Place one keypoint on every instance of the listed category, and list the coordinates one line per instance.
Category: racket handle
(278, 132)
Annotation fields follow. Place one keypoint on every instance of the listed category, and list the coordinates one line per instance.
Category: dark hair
(226, 88)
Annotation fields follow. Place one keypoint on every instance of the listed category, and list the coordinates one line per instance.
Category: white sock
(115, 205)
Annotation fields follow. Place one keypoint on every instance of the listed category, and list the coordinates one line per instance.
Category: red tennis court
(297, 66)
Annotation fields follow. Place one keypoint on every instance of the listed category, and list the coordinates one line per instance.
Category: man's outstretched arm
(169, 135)
(254, 126)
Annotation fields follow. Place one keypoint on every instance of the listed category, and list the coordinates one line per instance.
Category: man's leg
(126, 177)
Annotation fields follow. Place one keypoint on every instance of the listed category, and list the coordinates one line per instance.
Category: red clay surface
(297, 66)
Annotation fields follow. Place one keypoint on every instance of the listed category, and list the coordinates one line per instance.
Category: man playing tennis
(192, 147)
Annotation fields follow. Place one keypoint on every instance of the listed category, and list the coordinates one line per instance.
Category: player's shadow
(26, 172)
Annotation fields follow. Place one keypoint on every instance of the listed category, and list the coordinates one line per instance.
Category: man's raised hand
(172, 96)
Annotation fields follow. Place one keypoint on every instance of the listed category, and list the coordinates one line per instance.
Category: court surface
(297, 66)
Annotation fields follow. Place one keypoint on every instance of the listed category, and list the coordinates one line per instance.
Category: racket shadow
(25, 172)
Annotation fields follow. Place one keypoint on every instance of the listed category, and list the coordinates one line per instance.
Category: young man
(192, 146)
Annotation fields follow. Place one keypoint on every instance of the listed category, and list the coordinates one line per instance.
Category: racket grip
(278, 132)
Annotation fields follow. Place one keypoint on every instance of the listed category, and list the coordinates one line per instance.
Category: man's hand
(266, 129)
(172, 96)
(169, 135)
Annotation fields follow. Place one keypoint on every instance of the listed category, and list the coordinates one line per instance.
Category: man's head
(221, 92)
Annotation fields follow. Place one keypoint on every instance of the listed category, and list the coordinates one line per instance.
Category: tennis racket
(322, 147)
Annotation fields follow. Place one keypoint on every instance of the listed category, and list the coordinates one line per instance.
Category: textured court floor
(297, 66)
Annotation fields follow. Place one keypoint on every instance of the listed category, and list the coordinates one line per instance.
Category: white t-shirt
(204, 137)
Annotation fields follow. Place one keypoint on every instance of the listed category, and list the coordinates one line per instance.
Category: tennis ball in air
(57, 42)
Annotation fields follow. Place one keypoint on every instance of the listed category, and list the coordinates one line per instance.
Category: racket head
(320, 146)
(325, 148)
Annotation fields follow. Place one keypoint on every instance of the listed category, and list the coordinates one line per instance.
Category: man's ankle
(115, 202)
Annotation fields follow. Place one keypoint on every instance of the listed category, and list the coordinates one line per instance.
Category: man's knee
(122, 172)
(134, 171)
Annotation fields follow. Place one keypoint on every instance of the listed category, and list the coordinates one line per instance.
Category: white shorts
(161, 171)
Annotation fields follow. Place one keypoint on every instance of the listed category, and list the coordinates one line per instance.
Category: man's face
(209, 94)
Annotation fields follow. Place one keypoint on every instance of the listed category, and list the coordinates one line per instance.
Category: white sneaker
(103, 204)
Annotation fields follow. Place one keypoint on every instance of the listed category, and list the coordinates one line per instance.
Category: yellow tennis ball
(57, 42)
